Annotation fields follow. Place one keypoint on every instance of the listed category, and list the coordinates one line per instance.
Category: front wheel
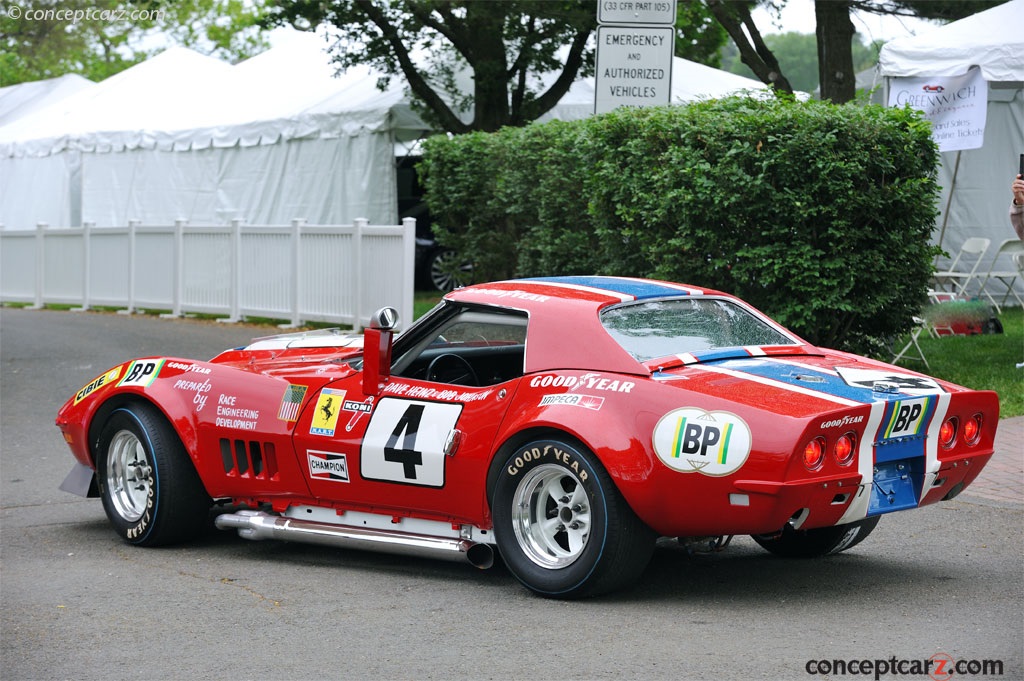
(562, 527)
(150, 490)
(821, 541)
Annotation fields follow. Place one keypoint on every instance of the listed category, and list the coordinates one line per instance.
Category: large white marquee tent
(975, 183)
(276, 137)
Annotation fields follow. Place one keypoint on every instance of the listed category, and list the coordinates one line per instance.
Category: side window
(471, 348)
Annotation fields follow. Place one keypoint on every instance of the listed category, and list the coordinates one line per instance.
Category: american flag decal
(290, 402)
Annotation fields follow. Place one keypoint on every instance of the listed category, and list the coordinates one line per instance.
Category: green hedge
(818, 214)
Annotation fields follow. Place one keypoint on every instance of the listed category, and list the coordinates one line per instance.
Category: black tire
(821, 541)
(151, 492)
(561, 525)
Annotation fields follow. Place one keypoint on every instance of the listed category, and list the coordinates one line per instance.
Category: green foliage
(798, 57)
(98, 38)
(818, 214)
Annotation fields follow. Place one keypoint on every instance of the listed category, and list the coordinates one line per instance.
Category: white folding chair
(1014, 250)
(915, 333)
(964, 267)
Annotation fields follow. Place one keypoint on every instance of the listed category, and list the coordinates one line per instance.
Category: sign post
(635, 47)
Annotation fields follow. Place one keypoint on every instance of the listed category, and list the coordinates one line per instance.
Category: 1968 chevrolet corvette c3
(566, 422)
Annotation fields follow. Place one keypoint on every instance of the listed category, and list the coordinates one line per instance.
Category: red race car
(566, 422)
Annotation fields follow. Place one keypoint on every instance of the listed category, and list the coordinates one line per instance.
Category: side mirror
(377, 338)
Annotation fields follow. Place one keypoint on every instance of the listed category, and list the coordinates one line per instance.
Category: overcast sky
(798, 16)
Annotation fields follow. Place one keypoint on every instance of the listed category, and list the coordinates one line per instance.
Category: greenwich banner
(956, 106)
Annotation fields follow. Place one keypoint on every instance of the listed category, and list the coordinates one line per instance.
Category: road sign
(660, 12)
(634, 66)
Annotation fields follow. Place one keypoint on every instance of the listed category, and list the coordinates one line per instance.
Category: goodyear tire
(150, 490)
(561, 525)
(821, 541)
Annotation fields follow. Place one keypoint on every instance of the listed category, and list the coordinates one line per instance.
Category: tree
(98, 38)
(504, 47)
(834, 33)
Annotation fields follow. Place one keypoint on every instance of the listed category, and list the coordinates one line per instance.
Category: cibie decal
(327, 466)
(907, 384)
(325, 416)
(710, 442)
(97, 383)
(142, 372)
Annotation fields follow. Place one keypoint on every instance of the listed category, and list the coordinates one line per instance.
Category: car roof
(565, 329)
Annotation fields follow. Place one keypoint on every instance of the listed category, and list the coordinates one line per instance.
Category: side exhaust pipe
(257, 525)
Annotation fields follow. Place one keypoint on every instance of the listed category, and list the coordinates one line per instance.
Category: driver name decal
(692, 440)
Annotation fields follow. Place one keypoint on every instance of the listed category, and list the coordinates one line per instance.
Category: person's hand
(1018, 191)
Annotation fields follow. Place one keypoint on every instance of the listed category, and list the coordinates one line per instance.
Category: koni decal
(692, 440)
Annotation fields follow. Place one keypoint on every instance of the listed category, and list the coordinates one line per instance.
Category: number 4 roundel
(405, 441)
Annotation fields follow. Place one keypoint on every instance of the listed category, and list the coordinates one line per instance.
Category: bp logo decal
(710, 442)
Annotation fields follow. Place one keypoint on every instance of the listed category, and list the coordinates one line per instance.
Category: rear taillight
(972, 430)
(844, 449)
(947, 433)
(814, 453)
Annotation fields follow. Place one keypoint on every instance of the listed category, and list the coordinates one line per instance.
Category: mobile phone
(1020, 171)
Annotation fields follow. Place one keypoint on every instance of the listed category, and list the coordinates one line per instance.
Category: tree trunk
(835, 52)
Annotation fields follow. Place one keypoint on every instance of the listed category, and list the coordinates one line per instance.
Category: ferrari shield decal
(328, 406)
(691, 440)
(290, 402)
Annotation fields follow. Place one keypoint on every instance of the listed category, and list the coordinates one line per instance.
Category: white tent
(276, 137)
(23, 99)
(975, 183)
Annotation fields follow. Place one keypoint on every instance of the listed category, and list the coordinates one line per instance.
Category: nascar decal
(327, 466)
(142, 372)
(290, 402)
(691, 440)
(98, 383)
(405, 440)
(325, 417)
(905, 383)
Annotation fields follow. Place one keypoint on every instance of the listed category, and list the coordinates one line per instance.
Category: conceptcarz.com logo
(938, 667)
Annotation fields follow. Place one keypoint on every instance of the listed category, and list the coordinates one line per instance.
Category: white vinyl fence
(298, 272)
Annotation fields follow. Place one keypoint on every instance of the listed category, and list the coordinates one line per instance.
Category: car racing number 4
(405, 441)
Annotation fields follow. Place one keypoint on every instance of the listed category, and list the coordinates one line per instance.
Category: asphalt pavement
(944, 582)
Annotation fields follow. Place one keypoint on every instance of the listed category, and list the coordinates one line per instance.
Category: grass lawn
(983, 362)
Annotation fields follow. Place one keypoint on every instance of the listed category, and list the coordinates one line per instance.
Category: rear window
(660, 328)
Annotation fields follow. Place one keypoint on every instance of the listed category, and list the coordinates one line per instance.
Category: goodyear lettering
(548, 451)
(194, 368)
(140, 527)
(584, 382)
(845, 421)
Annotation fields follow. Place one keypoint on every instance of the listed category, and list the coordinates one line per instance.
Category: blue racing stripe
(808, 379)
(639, 289)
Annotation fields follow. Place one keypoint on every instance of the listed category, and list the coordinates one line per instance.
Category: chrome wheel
(129, 475)
(551, 516)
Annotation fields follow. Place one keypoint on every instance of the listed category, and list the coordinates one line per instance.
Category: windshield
(661, 328)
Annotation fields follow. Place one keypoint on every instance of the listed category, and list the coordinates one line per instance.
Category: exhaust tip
(481, 556)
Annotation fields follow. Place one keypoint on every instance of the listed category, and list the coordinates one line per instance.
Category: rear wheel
(821, 541)
(150, 490)
(561, 525)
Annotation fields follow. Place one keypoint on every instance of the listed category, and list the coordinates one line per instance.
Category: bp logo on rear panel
(691, 440)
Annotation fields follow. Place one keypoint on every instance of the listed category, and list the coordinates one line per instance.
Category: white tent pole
(949, 200)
